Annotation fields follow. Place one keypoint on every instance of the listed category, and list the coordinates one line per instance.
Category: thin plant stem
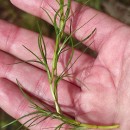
(63, 14)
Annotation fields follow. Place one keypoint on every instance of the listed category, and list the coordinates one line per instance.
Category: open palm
(102, 96)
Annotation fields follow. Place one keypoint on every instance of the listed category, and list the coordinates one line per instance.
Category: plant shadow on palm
(61, 51)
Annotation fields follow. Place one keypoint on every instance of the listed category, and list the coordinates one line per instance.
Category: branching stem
(53, 78)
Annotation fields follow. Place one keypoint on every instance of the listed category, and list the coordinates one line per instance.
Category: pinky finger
(15, 104)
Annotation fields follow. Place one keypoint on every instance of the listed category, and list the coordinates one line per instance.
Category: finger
(35, 81)
(13, 102)
(104, 24)
(13, 39)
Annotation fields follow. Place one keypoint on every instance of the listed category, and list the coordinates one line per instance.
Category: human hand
(106, 98)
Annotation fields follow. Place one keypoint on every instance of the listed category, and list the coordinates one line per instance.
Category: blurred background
(119, 9)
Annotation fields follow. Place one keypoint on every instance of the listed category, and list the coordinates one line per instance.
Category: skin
(105, 100)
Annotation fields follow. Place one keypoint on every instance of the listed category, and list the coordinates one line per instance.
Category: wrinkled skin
(105, 97)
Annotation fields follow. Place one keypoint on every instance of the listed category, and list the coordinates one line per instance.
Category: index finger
(105, 25)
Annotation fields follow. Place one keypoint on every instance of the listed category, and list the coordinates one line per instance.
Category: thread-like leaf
(67, 69)
(34, 54)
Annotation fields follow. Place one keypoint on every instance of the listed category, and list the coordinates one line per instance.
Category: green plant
(63, 14)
